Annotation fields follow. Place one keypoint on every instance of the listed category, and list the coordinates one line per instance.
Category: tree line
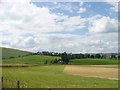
(66, 57)
(81, 55)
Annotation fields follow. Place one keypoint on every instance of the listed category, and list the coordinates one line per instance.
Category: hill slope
(33, 59)
(13, 53)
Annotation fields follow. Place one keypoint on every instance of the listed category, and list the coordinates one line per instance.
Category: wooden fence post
(18, 84)
(2, 82)
(2, 79)
(49, 88)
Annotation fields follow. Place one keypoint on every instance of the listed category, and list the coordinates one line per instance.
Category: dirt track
(100, 71)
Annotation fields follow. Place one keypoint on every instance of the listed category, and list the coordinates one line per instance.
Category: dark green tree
(113, 56)
(81, 56)
(87, 55)
(97, 55)
(103, 56)
(92, 56)
(119, 57)
(65, 58)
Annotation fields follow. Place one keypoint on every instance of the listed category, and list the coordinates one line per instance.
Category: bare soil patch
(99, 71)
(16, 65)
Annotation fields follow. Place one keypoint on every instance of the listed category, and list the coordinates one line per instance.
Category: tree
(119, 57)
(87, 55)
(113, 56)
(103, 56)
(81, 56)
(11, 57)
(65, 58)
(55, 61)
(97, 55)
(92, 56)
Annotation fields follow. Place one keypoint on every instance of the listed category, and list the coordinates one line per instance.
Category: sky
(78, 27)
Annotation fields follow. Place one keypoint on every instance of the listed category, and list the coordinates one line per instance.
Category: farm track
(99, 71)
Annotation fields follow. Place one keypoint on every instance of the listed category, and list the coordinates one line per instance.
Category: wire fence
(18, 84)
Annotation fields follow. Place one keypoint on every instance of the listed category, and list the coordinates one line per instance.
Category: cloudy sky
(77, 27)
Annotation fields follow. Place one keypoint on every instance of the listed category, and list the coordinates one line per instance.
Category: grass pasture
(52, 76)
(91, 61)
(32, 73)
(40, 59)
(33, 59)
(10, 53)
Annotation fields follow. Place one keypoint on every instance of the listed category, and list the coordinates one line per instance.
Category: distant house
(60, 61)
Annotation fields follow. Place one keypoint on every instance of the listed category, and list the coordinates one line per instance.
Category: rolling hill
(13, 53)
(33, 59)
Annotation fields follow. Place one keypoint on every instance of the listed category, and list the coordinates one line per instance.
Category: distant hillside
(13, 53)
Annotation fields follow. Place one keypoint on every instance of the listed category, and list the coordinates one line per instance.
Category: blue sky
(93, 8)
(71, 9)
(78, 27)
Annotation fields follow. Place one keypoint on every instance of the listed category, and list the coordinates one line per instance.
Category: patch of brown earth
(100, 71)
(15, 65)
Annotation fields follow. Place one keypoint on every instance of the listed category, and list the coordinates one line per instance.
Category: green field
(93, 62)
(33, 59)
(40, 59)
(51, 76)
(8, 53)
(45, 76)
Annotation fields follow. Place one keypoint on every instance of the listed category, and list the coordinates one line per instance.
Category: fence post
(2, 79)
(49, 88)
(18, 84)
(2, 82)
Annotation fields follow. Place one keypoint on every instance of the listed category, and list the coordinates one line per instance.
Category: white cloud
(63, 42)
(26, 16)
(81, 3)
(54, 2)
(25, 26)
(114, 5)
(82, 10)
(74, 23)
(67, 6)
(103, 25)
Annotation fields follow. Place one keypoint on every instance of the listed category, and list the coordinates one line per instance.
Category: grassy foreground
(50, 76)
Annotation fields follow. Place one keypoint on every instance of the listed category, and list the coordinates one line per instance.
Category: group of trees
(79, 56)
(47, 53)
(56, 61)
(65, 57)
